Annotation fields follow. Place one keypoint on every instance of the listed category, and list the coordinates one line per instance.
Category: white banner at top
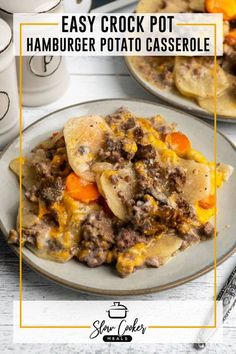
(118, 34)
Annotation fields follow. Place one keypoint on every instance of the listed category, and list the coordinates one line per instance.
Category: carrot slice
(207, 203)
(230, 38)
(227, 7)
(79, 189)
(178, 142)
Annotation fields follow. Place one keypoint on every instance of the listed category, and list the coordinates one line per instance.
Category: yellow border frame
(20, 180)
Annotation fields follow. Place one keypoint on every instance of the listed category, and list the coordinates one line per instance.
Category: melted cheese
(169, 157)
(204, 215)
(70, 214)
(196, 156)
(161, 248)
(128, 261)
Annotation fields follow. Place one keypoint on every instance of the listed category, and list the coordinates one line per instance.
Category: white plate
(103, 280)
(174, 97)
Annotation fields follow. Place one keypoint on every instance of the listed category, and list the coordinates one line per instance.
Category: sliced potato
(198, 180)
(174, 6)
(112, 191)
(197, 5)
(28, 174)
(100, 167)
(52, 141)
(226, 103)
(163, 247)
(29, 214)
(226, 170)
(194, 77)
(170, 6)
(84, 137)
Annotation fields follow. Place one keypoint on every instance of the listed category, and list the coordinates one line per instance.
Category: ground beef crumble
(112, 151)
(29, 235)
(206, 231)
(97, 228)
(115, 151)
(129, 124)
(43, 169)
(145, 152)
(50, 163)
(176, 179)
(51, 190)
(13, 237)
(128, 237)
(138, 134)
(32, 194)
(92, 257)
(97, 236)
(161, 126)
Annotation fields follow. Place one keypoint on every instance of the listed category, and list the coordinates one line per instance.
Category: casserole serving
(185, 266)
(120, 190)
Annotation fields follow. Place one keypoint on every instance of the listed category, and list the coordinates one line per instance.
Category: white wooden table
(95, 78)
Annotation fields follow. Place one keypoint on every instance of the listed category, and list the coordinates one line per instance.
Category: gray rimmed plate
(186, 266)
(174, 97)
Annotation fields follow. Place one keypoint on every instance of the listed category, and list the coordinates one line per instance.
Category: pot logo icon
(117, 310)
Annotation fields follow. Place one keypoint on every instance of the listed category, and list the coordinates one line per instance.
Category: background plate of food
(187, 82)
(116, 198)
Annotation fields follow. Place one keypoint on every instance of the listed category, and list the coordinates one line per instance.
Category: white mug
(44, 78)
(9, 7)
(9, 100)
(77, 6)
